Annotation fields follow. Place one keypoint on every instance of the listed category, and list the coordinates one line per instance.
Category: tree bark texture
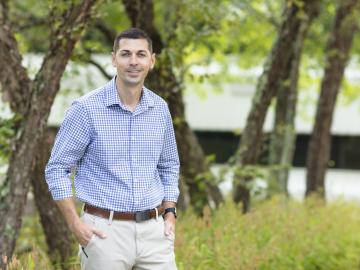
(338, 48)
(59, 238)
(32, 101)
(194, 168)
(274, 69)
(282, 142)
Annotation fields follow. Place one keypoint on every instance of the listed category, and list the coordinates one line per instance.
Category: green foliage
(112, 15)
(31, 235)
(277, 234)
(6, 135)
(29, 19)
(191, 31)
(247, 32)
(251, 29)
(241, 36)
(31, 247)
(350, 91)
(229, 33)
(250, 176)
(315, 43)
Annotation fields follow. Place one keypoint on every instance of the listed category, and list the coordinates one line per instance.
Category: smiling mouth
(133, 71)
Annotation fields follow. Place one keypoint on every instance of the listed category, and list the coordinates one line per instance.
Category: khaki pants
(128, 245)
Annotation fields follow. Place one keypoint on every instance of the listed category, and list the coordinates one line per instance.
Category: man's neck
(129, 95)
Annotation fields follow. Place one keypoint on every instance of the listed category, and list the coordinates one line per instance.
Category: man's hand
(83, 232)
(169, 221)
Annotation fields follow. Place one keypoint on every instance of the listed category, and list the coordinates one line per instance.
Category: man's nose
(133, 60)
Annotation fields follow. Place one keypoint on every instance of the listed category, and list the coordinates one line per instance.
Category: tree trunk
(282, 143)
(338, 47)
(195, 171)
(194, 168)
(59, 239)
(32, 102)
(274, 69)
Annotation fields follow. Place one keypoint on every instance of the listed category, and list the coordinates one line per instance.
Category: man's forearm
(68, 209)
(168, 204)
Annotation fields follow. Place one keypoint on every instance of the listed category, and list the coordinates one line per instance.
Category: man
(121, 140)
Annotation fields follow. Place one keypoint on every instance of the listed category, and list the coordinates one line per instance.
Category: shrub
(276, 234)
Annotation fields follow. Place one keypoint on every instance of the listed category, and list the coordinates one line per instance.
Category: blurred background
(265, 101)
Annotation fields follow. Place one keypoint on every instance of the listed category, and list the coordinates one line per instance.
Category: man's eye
(142, 54)
(125, 54)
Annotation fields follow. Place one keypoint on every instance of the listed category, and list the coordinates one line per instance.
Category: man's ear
(113, 59)
(153, 60)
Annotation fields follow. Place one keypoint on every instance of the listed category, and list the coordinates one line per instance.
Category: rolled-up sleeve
(70, 144)
(168, 166)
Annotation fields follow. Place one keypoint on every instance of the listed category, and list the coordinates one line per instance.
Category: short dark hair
(132, 33)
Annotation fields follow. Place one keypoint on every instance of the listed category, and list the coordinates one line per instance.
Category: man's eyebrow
(126, 50)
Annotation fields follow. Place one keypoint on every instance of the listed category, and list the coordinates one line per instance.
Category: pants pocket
(92, 239)
(91, 221)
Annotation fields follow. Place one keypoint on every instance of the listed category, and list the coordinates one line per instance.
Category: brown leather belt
(136, 216)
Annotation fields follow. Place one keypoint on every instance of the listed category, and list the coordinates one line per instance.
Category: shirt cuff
(61, 192)
(171, 194)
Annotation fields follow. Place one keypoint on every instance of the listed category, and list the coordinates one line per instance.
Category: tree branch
(269, 16)
(3, 11)
(100, 68)
(30, 21)
(108, 32)
(141, 14)
(12, 74)
(62, 43)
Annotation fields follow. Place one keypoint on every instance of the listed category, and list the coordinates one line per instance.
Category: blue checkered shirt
(125, 161)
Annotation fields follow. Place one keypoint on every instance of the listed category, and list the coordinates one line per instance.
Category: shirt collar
(112, 97)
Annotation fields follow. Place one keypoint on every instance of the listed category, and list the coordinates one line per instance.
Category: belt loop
(111, 217)
(82, 210)
(157, 213)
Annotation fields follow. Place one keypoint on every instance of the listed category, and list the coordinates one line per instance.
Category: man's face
(133, 60)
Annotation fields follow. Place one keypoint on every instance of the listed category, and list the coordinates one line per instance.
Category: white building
(223, 109)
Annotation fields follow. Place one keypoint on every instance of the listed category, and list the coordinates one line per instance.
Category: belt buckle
(142, 216)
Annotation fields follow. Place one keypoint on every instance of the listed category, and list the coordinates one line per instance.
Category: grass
(275, 235)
